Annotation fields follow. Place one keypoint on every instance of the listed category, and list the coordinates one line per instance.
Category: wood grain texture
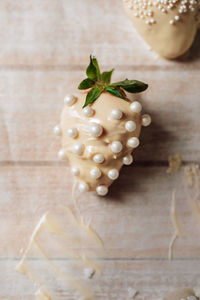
(151, 278)
(133, 220)
(50, 33)
(32, 102)
(45, 46)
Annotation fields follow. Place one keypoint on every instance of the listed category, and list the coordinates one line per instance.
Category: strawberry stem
(97, 82)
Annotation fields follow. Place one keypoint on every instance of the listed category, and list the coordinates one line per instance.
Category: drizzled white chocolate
(168, 26)
(102, 137)
(56, 229)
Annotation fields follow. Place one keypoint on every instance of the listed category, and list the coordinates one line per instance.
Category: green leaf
(93, 95)
(95, 63)
(132, 86)
(91, 70)
(115, 91)
(99, 82)
(86, 84)
(106, 76)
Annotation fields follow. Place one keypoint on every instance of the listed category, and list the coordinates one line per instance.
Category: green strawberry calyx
(99, 82)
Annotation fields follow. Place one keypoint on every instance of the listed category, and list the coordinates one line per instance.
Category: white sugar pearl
(98, 158)
(83, 187)
(133, 142)
(177, 18)
(95, 173)
(127, 160)
(116, 114)
(75, 171)
(69, 100)
(88, 111)
(113, 174)
(78, 148)
(62, 154)
(57, 130)
(102, 190)
(72, 132)
(146, 120)
(116, 147)
(96, 130)
(136, 107)
(130, 126)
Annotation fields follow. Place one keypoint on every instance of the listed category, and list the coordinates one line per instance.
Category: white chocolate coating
(169, 27)
(93, 156)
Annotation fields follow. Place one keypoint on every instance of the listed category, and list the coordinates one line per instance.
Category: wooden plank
(133, 220)
(51, 34)
(152, 278)
(44, 51)
(32, 102)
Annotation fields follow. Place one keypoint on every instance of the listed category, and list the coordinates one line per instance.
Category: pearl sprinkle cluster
(145, 9)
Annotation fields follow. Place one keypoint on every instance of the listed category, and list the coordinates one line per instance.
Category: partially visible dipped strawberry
(168, 26)
(100, 129)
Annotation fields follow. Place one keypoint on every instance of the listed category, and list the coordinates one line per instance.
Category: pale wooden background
(45, 47)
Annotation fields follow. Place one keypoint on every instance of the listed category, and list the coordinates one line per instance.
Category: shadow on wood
(144, 168)
(193, 53)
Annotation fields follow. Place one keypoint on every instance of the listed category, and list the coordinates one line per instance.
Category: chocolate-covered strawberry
(100, 128)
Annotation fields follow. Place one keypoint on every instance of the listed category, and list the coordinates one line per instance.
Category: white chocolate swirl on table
(69, 237)
(99, 139)
(168, 26)
(176, 226)
(181, 294)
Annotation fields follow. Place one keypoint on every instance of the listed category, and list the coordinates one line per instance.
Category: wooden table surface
(45, 46)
